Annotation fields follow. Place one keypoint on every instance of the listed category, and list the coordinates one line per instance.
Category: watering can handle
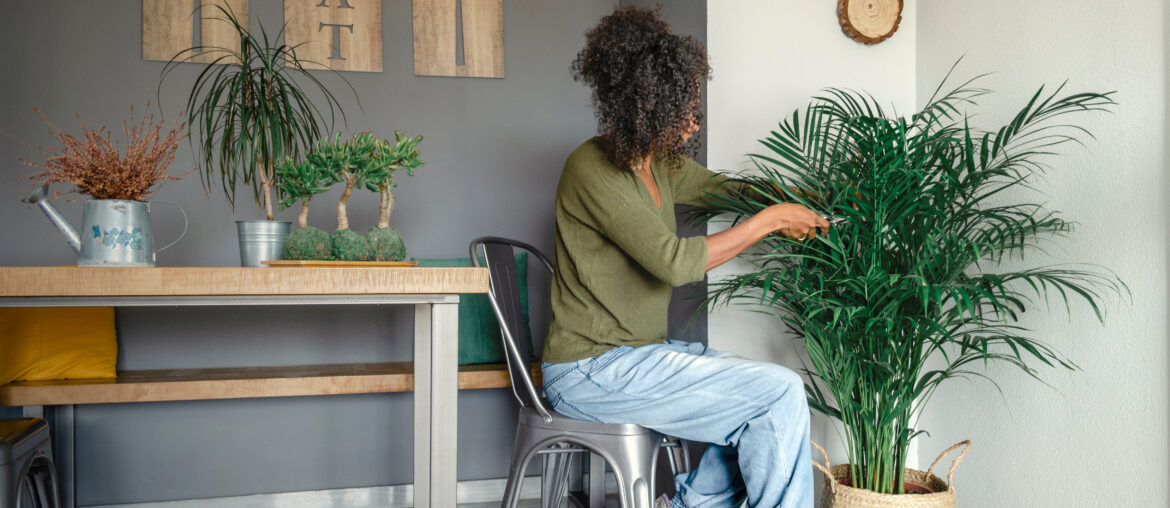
(181, 235)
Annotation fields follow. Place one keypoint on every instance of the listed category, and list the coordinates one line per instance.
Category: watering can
(114, 232)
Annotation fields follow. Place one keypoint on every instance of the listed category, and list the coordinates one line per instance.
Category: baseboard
(393, 496)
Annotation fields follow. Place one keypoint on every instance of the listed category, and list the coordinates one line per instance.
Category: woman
(618, 256)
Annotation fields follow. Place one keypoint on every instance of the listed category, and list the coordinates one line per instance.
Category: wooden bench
(241, 383)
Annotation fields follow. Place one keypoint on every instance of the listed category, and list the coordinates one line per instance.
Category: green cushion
(479, 331)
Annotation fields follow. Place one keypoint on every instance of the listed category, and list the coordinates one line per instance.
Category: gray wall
(494, 150)
(687, 322)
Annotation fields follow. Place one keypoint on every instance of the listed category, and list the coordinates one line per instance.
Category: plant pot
(924, 490)
(261, 240)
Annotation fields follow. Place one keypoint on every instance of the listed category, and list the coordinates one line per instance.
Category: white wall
(768, 58)
(1098, 436)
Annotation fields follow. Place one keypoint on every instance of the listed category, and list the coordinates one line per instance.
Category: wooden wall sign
(343, 35)
(168, 27)
(869, 21)
(479, 24)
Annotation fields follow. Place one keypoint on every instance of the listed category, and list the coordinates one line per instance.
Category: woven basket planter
(838, 494)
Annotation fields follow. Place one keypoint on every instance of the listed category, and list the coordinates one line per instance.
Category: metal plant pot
(261, 240)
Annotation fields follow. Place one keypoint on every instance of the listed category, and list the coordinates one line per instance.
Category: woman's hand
(794, 221)
(789, 219)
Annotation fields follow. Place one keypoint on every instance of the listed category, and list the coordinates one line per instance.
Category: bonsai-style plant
(341, 161)
(249, 110)
(301, 181)
(365, 161)
(923, 279)
(96, 166)
(379, 161)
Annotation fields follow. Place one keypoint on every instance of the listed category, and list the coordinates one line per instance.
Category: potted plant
(343, 161)
(920, 279)
(249, 111)
(365, 161)
(301, 181)
(116, 227)
(381, 160)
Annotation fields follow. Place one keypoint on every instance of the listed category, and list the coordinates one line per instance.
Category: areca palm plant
(918, 281)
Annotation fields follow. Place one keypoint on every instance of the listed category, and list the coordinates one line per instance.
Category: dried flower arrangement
(94, 164)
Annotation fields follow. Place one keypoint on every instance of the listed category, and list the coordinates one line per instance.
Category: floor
(476, 494)
(611, 502)
(535, 503)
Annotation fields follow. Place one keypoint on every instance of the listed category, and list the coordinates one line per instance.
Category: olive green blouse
(618, 254)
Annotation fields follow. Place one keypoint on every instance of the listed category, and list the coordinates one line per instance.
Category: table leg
(436, 403)
(422, 405)
(63, 453)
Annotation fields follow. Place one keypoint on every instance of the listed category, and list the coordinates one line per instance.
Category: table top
(73, 281)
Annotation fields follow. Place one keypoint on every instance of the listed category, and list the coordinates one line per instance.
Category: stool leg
(596, 481)
(43, 499)
(521, 454)
(512, 489)
(26, 492)
(53, 489)
(554, 480)
(634, 459)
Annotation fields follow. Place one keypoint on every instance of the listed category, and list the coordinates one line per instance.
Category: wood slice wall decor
(343, 35)
(436, 27)
(869, 21)
(168, 27)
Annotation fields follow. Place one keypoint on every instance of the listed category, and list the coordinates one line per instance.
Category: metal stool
(27, 476)
(630, 450)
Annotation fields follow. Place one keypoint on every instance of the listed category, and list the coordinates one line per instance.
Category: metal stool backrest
(505, 298)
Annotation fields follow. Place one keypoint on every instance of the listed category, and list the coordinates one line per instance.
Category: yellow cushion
(40, 344)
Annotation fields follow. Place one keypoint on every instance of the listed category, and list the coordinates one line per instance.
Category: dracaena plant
(250, 108)
(924, 277)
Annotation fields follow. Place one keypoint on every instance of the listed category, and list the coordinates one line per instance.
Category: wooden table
(434, 293)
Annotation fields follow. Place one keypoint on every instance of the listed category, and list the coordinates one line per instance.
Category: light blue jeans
(754, 414)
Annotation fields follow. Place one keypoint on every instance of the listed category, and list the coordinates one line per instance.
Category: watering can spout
(38, 198)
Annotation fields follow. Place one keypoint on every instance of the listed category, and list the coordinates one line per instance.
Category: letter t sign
(343, 35)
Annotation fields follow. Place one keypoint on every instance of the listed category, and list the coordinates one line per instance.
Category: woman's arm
(789, 219)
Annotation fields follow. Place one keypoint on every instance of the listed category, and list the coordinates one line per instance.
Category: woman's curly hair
(646, 85)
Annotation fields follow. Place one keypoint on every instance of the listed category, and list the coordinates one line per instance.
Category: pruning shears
(834, 220)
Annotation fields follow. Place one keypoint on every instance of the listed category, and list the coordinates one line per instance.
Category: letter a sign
(343, 35)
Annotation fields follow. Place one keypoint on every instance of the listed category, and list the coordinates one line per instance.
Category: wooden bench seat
(240, 383)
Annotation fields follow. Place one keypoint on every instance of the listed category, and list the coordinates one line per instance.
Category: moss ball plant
(385, 244)
(349, 246)
(308, 243)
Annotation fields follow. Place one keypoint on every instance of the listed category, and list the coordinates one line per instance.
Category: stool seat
(561, 422)
(27, 476)
(20, 436)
